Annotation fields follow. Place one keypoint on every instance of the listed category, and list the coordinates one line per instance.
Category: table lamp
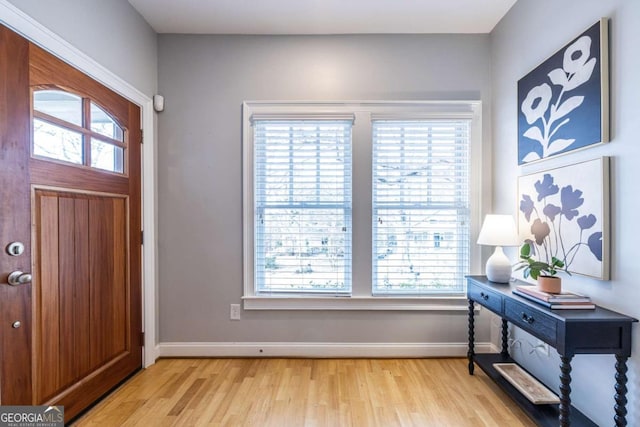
(498, 231)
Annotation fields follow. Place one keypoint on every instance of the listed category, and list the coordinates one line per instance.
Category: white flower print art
(563, 103)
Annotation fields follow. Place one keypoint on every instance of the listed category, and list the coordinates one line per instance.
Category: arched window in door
(73, 129)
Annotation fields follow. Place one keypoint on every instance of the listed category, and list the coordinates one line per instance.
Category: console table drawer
(489, 299)
(531, 320)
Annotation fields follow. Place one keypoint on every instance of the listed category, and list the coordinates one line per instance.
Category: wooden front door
(70, 193)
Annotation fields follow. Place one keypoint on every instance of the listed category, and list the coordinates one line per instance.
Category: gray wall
(205, 79)
(532, 31)
(111, 32)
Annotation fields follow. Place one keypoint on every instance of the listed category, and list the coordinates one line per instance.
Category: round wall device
(158, 103)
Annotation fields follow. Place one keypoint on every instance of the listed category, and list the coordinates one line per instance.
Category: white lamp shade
(498, 230)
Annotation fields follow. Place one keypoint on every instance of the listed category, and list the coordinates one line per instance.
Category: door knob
(18, 278)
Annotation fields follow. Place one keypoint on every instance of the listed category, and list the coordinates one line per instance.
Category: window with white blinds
(421, 206)
(360, 205)
(302, 206)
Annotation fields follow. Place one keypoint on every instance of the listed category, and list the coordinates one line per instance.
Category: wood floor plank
(307, 392)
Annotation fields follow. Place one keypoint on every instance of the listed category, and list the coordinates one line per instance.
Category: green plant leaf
(539, 265)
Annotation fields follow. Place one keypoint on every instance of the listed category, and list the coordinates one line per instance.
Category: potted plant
(544, 272)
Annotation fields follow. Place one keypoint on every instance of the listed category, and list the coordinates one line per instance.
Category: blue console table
(570, 332)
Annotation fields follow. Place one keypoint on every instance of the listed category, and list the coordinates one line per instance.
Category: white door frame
(32, 30)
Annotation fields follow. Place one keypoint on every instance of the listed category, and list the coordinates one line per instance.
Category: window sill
(434, 303)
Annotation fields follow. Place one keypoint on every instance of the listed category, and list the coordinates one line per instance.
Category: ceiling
(322, 16)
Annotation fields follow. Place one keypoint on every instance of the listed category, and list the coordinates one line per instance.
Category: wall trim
(317, 349)
(453, 304)
(35, 32)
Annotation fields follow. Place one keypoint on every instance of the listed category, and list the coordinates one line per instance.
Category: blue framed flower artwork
(563, 104)
(564, 213)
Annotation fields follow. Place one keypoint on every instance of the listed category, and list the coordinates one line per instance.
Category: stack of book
(561, 301)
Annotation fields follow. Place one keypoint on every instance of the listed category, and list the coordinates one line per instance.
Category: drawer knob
(484, 296)
(527, 318)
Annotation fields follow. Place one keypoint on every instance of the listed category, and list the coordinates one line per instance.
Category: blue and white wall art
(563, 104)
(564, 212)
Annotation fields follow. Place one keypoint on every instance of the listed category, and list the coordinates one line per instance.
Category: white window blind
(302, 206)
(421, 206)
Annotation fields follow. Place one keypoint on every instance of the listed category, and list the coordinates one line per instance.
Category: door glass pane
(102, 123)
(56, 142)
(107, 156)
(62, 105)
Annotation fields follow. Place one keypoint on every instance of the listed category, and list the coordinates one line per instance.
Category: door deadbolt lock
(15, 248)
(18, 278)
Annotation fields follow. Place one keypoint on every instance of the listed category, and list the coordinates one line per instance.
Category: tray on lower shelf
(531, 388)
(545, 415)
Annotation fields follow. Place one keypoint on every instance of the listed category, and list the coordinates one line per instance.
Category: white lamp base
(498, 267)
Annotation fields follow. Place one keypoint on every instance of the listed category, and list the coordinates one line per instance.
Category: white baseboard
(317, 350)
(150, 356)
(492, 348)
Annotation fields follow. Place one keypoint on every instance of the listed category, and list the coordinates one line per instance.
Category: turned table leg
(471, 338)
(621, 391)
(505, 339)
(565, 391)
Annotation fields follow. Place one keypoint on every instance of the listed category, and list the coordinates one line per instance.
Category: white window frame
(361, 297)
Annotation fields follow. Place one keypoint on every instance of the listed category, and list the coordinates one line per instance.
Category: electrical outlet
(542, 348)
(234, 312)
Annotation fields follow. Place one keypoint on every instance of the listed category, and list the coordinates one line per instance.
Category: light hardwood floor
(307, 392)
